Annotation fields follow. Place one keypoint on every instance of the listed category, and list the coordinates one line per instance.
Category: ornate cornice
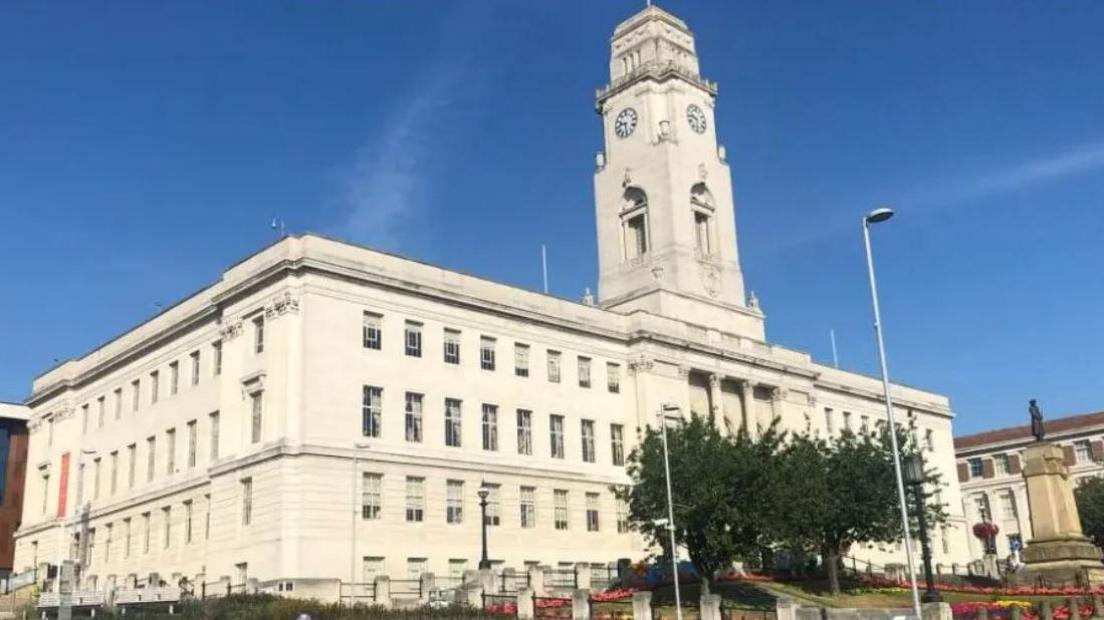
(282, 305)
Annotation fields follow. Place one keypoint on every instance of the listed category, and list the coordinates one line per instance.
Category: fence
(354, 593)
(603, 577)
(406, 588)
(500, 604)
(620, 609)
(552, 607)
(735, 611)
(561, 578)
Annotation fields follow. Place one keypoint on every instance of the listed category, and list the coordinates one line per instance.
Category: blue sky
(146, 146)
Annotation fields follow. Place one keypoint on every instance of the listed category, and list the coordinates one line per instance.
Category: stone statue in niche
(1038, 427)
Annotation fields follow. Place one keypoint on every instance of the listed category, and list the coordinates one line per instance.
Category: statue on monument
(1038, 427)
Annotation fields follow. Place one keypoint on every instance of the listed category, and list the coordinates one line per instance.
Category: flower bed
(1003, 609)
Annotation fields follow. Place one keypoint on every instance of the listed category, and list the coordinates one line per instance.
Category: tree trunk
(831, 562)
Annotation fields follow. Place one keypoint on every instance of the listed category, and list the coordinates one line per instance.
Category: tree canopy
(1089, 496)
(734, 495)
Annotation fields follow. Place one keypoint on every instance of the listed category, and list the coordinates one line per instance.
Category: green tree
(842, 492)
(1089, 496)
(721, 488)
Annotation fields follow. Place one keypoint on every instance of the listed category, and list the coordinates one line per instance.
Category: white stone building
(990, 472)
(220, 436)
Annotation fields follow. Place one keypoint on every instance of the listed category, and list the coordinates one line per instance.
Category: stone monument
(1058, 552)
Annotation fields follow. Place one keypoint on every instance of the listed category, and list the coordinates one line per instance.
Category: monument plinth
(1058, 552)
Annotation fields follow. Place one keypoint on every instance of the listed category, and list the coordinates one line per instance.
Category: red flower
(985, 530)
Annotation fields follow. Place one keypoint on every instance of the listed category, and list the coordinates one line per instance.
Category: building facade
(325, 410)
(13, 469)
(990, 473)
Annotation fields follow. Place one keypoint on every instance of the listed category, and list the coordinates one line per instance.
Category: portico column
(778, 397)
(715, 406)
(747, 398)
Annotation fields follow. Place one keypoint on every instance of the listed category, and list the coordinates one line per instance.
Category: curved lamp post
(878, 216)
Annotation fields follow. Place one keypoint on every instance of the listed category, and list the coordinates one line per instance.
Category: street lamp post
(357, 447)
(483, 493)
(914, 475)
(670, 504)
(874, 217)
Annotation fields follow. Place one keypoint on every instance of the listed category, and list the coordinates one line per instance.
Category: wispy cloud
(383, 187)
(1076, 160)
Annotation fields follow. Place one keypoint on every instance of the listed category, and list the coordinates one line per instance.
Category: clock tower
(663, 192)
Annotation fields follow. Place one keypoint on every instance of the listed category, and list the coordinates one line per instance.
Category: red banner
(63, 484)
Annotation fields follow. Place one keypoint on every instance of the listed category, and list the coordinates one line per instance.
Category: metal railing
(354, 593)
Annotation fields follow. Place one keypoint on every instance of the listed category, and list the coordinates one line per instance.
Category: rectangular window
(1083, 451)
(977, 469)
(829, 421)
(170, 451)
(613, 378)
(174, 378)
(452, 422)
(118, 403)
(371, 496)
(151, 457)
(1008, 506)
(528, 507)
(456, 570)
(84, 419)
(256, 408)
(415, 568)
(413, 339)
(45, 492)
(415, 499)
(371, 410)
(372, 331)
(195, 367)
(132, 464)
(107, 542)
(96, 478)
(155, 386)
(487, 353)
(207, 516)
(556, 434)
(490, 427)
(589, 454)
(494, 504)
(258, 334)
(452, 346)
(145, 532)
(413, 417)
(1000, 463)
(559, 505)
(114, 471)
(193, 444)
(622, 516)
(554, 358)
(617, 444)
(847, 422)
(454, 501)
(217, 346)
(214, 419)
(247, 501)
(101, 407)
(929, 440)
(864, 425)
(187, 522)
(135, 394)
(583, 364)
(525, 431)
(521, 359)
(372, 567)
(166, 516)
(126, 537)
(592, 512)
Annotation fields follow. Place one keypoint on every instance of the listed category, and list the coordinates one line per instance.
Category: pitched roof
(1053, 427)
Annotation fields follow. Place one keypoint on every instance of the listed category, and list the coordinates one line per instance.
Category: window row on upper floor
(452, 417)
(150, 388)
(372, 338)
(1082, 451)
(848, 424)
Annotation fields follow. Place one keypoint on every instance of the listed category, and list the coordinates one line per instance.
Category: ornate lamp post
(483, 493)
(914, 475)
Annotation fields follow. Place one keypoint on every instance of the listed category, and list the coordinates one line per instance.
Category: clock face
(696, 118)
(625, 123)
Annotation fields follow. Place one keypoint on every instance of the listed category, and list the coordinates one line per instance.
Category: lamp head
(914, 468)
(879, 215)
(483, 492)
